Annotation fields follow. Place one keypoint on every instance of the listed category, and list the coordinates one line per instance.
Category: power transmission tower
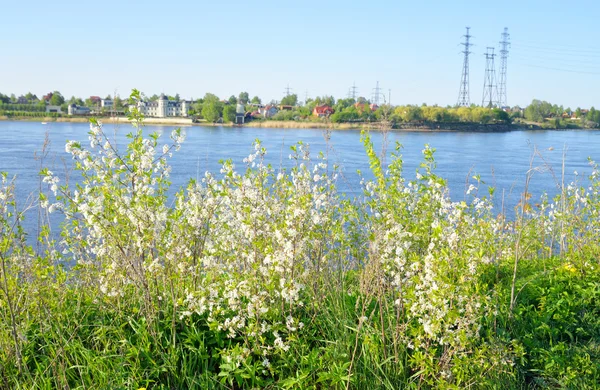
(463, 94)
(376, 94)
(287, 90)
(352, 91)
(504, 44)
(489, 86)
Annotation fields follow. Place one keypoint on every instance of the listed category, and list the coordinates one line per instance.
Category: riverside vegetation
(267, 278)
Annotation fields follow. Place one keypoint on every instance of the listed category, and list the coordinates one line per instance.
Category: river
(501, 159)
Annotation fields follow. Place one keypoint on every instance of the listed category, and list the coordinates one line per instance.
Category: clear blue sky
(192, 47)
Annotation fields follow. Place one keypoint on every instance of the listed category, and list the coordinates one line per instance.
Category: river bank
(153, 121)
(272, 124)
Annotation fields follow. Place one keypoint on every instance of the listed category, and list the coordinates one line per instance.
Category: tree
(232, 99)
(76, 101)
(327, 100)
(501, 115)
(244, 97)
(212, 108)
(229, 113)
(31, 97)
(537, 110)
(57, 99)
(4, 99)
(118, 103)
(255, 100)
(578, 112)
(290, 100)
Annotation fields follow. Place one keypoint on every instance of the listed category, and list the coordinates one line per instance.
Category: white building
(106, 103)
(50, 108)
(163, 107)
(74, 109)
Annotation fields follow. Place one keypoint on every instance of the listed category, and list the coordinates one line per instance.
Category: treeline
(544, 112)
(23, 107)
(31, 114)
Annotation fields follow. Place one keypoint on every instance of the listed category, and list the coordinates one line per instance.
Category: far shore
(272, 124)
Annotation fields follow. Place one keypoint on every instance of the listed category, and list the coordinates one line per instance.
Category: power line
(287, 90)
(489, 86)
(560, 69)
(554, 48)
(376, 94)
(504, 44)
(463, 93)
(352, 91)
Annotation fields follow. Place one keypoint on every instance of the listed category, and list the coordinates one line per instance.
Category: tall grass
(268, 278)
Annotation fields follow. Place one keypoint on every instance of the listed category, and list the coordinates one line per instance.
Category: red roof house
(323, 111)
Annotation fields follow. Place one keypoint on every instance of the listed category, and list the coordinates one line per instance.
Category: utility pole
(352, 91)
(490, 79)
(463, 94)
(504, 44)
(376, 94)
(305, 96)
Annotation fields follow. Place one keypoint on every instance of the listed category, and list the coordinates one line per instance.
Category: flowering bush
(266, 278)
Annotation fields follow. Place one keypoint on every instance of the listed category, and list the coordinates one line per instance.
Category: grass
(267, 279)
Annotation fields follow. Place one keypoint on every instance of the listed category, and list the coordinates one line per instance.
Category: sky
(317, 48)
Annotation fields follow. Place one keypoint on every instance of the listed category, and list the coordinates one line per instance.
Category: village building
(55, 109)
(74, 109)
(240, 114)
(323, 111)
(163, 107)
(96, 100)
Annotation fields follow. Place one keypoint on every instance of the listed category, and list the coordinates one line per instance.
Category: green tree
(75, 100)
(290, 100)
(244, 97)
(232, 99)
(31, 97)
(500, 115)
(212, 108)
(229, 113)
(57, 99)
(118, 103)
(255, 100)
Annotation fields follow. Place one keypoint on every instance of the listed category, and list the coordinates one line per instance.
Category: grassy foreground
(271, 279)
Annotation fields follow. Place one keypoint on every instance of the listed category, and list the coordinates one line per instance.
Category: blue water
(501, 159)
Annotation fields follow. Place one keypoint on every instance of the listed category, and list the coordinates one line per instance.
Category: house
(240, 114)
(96, 100)
(47, 97)
(56, 109)
(323, 111)
(74, 109)
(106, 103)
(286, 108)
(22, 100)
(163, 107)
(364, 106)
(268, 111)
